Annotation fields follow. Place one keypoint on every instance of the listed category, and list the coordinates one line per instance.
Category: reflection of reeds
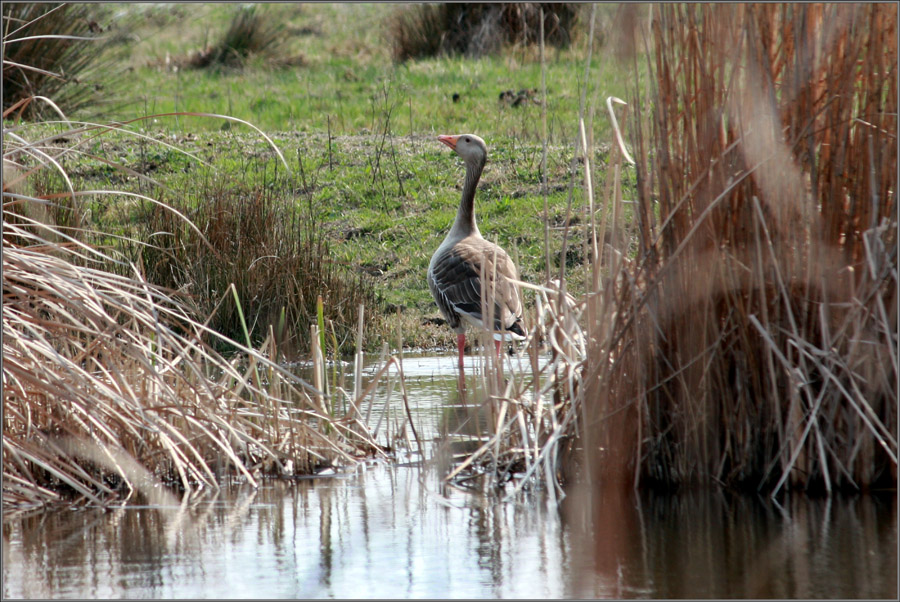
(759, 348)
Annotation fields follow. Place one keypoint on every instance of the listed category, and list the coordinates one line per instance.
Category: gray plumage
(465, 260)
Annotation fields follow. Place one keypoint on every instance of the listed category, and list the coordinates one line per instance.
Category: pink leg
(461, 379)
(461, 387)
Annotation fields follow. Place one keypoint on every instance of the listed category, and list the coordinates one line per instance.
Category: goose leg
(461, 387)
(461, 378)
(499, 364)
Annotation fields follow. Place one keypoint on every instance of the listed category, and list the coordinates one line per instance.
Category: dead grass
(755, 339)
(752, 342)
(472, 29)
(110, 387)
(47, 75)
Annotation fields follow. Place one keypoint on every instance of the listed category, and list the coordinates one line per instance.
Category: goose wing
(455, 281)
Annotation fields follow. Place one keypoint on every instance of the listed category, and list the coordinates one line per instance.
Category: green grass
(349, 79)
(373, 174)
(353, 99)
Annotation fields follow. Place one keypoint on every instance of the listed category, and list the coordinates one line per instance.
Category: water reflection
(435, 387)
(385, 532)
(716, 545)
(396, 531)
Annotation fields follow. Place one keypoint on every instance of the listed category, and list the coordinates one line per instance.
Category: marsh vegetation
(722, 312)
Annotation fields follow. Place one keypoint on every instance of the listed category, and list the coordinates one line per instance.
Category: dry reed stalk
(116, 365)
(531, 416)
(111, 385)
(751, 343)
(533, 421)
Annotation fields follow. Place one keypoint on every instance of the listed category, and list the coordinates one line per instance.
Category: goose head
(469, 147)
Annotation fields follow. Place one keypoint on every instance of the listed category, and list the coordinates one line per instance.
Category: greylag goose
(456, 268)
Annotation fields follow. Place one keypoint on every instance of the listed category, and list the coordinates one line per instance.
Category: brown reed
(753, 341)
(110, 388)
(112, 385)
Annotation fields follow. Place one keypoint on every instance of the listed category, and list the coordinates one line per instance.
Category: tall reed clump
(265, 243)
(53, 54)
(110, 384)
(252, 33)
(753, 341)
(474, 29)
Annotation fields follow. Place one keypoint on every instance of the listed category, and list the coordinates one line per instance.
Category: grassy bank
(345, 80)
(367, 191)
(374, 209)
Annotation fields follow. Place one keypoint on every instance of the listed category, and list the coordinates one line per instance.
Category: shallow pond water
(394, 531)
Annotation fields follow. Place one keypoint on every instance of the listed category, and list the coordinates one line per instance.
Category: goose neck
(465, 217)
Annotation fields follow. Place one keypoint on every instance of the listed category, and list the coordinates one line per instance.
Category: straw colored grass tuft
(112, 385)
(113, 365)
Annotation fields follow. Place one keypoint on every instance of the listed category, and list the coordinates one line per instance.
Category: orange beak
(449, 141)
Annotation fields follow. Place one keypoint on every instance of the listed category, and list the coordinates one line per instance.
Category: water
(385, 531)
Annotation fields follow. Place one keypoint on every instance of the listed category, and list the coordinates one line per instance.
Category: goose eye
(467, 139)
